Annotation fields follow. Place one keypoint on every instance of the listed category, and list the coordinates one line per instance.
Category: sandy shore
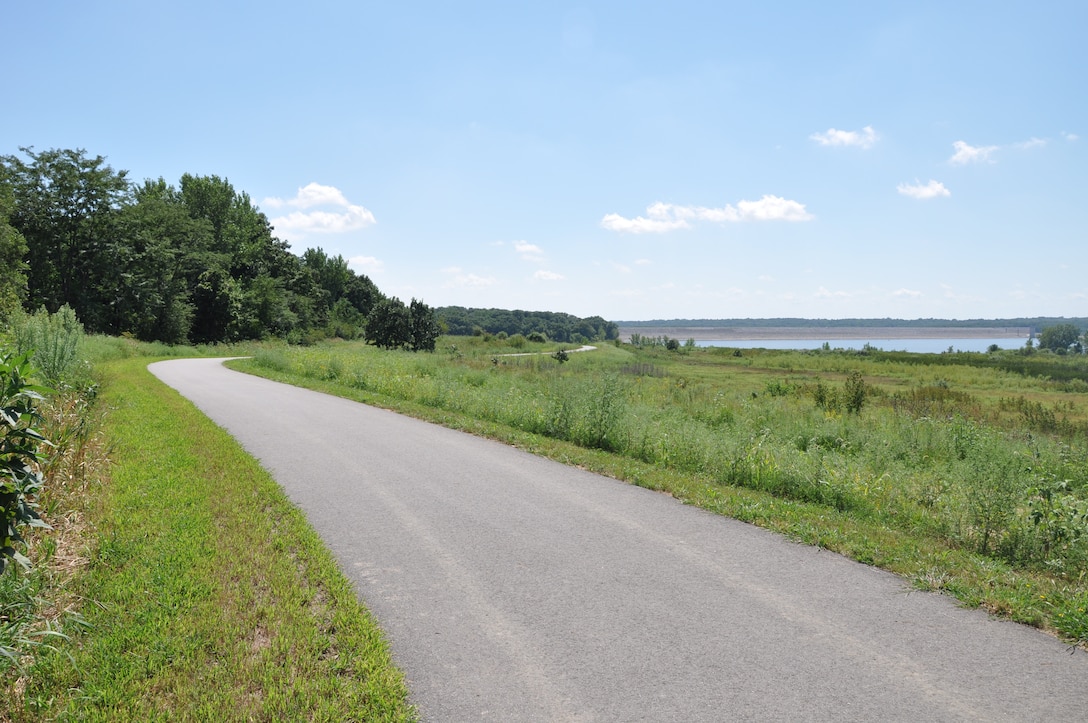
(823, 333)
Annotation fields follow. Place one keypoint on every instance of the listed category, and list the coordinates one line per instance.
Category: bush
(20, 462)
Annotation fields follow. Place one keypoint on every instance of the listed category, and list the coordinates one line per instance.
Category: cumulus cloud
(662, 217)
(865, 138)
(320, 209)
(970, 154)
(824, 293)
(907, 293)
(548, 276)
(639, 224)
(933, 189)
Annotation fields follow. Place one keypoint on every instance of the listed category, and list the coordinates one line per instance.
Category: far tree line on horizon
(192, 263)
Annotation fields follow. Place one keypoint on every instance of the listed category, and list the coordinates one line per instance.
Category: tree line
(556, 326)
(193, 263)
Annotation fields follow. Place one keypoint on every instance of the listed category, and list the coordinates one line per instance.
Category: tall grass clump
(54, 342)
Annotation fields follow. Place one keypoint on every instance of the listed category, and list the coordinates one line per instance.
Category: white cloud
(865, 138)
(823, 293)
(910, 293)
(1030, 143)
(1070, 136)
(765, 278)
(642, 262)
(528, 251)
(970, 154)
(366, 264)
(638, 224)
(933, 189)
(462, 279)
(662, 217)
(343, 216)
(548, 276)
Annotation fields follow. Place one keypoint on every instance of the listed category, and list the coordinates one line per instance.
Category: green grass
(937, 479)
(207, 596)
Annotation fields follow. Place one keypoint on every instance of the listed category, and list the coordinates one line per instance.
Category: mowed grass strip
(209, 597)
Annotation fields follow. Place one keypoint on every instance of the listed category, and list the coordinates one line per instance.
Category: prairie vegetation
(964, 474)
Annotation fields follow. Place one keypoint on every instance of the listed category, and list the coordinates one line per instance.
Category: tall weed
(56, 341)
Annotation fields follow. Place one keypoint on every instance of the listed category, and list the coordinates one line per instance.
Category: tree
(423, 329)
(1059, 338)
(217, 304)
(157, 258)
(13, 250)
(65, 207)
(387, 325)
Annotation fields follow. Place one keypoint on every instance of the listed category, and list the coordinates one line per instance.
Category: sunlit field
(966, 472)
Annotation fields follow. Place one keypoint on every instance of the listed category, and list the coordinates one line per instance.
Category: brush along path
(514, 588)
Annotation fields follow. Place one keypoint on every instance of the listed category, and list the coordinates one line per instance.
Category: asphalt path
(514, 588)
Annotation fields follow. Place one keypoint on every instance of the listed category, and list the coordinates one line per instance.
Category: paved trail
(514, 588)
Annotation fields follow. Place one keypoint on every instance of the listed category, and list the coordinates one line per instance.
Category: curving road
(513, 588)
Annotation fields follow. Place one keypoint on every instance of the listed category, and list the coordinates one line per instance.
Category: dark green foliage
(422, 327)
(556, 326)
(392, 325)
(561, 356)
(387, 324)
(20, 459)
(65, 208)
(13, 249)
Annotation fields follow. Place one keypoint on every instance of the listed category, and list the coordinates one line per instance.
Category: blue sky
(631, 160)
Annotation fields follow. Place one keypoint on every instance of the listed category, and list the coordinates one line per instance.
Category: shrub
(854, 392)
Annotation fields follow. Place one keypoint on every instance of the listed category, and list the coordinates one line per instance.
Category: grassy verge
(208, 596)
(955, 504)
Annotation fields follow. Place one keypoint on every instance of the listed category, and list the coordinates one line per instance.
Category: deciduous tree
(1060, 338)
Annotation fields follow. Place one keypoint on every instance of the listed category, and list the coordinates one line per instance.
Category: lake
(922, 346)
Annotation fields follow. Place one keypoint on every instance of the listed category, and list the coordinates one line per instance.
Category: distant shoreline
(824, 333)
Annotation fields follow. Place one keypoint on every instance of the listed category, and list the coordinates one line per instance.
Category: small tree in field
(387, 324)
(423, 327)
(1060, 338)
